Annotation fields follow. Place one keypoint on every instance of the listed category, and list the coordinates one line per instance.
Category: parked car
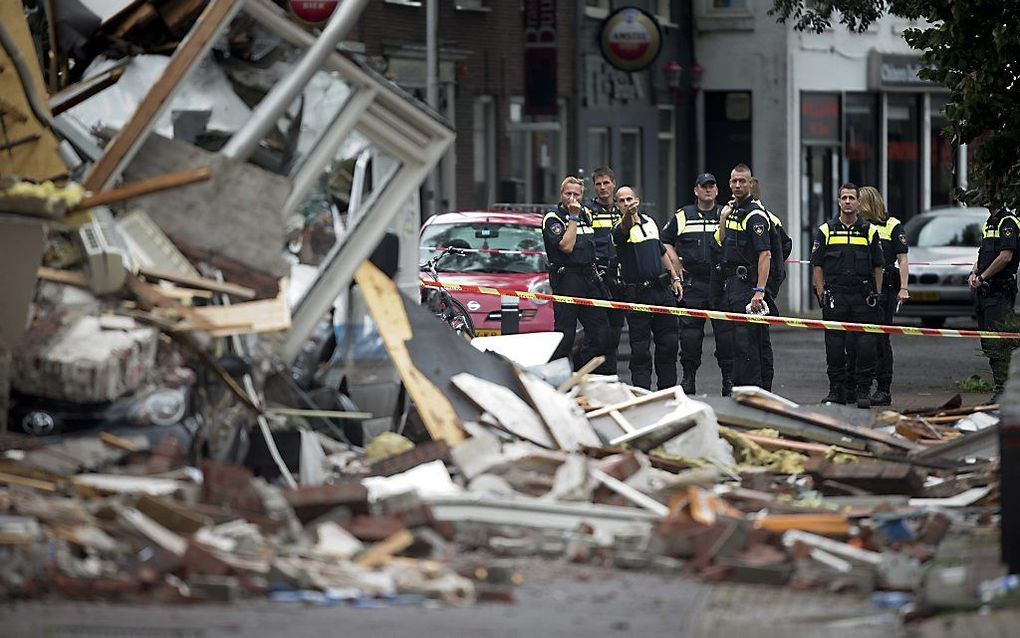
(947, 239)
(507, 234)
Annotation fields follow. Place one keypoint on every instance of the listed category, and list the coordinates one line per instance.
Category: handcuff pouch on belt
(661, 282)
(1005, 285)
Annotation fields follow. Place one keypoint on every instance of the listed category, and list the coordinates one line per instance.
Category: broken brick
(315, 501)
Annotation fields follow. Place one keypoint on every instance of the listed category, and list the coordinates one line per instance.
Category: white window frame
(664, 13)
(598, 9)
(484, 145)
(669, 138)
(639, 172)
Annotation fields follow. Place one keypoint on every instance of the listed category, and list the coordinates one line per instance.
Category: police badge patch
(903, 239)
(1007, 232)
(556, 228)
(814, 246)
(759, 229)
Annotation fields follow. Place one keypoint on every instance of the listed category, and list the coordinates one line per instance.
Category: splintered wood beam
(123, 147)
(144, 187)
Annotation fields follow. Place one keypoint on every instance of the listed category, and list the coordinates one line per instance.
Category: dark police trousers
(580, 283)
(748, 338)
(697, 294)
(641, 327)
(993, 305)
(886, 312)
(850, 306)
(616, 320)
(768, 358)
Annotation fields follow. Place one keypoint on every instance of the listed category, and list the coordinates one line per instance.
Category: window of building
(484, 150)
(943, 154)
(599, 149)
(596, 8)
(537, 155)
(862, 147)
(667, 161)
(664, 11)
(629, 172)
(727, 132)
(903, 153)
(472, 5)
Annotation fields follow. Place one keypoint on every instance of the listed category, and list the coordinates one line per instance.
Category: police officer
(570, 247)
(649, 278)
(689, 237)
(894, 283)
(782, 245)
(605, 215)
(744, 230)
(993, 282)
(846, 269)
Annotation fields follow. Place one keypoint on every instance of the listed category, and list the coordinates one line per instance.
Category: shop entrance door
(819, 181)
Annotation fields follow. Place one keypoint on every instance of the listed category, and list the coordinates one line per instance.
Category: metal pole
(243, 143)
(432, 93)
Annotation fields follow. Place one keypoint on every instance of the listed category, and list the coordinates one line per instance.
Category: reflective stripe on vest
(846, 236)
(994, 233)
(645, 231)
(885, 230)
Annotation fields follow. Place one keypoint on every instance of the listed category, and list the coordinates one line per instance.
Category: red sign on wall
(313, 11)
(540, 57)
(819, 119)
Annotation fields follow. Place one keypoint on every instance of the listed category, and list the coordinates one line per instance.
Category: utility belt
(999, 285)
(698, 271)
(561, 269)
(741, 271)
(662, 282)
(863, 286)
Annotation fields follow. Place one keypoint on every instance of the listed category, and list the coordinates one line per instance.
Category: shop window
(537, 155)
(943, 155)
(903, 156)
(629, 172)
(727, 133)
(596, 8)
(862, 147)
(599, 150)
(667, 162)
(484, 150)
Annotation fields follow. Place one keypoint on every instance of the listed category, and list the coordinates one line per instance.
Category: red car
(505, 250)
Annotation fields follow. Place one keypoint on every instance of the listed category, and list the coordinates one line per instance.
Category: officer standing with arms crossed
(689, 237)
(846, 270)
(570, 247)
(605, 215)
(894, 284)
(649, 278)
(993, 282)
(744, 230)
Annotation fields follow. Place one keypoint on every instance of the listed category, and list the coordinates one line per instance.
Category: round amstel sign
(630, 39)
(313, 11)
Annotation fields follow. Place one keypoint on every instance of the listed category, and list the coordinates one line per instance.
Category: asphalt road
(926, 370)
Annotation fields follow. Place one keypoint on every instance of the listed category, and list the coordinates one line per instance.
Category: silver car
(943, 246)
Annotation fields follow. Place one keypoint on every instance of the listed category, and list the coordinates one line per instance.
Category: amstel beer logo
(630, 39)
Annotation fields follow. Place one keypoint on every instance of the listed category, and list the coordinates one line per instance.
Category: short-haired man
(744, 230)
(993, 282)
(605, 215)
(846, 269)
(689, 237)
(570, 247)
(649, 278)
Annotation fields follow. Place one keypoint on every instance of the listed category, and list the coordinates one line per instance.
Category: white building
(810, 111)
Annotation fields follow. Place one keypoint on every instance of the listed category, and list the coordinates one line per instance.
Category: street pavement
(926, 370)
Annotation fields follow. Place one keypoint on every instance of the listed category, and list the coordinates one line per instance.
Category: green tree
(972, 47)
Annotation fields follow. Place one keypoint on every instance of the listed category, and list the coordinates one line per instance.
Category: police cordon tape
(500, 251)
(793, 322)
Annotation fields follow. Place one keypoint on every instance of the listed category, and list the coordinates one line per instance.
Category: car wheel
(933, 322)
(39, 423)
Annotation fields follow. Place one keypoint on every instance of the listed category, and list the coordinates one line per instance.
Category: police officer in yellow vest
(689, 237)
(649, 278)
(894, 283)
(993, 282)
(744, 230)
(570, 247)
(605, 215)
(846, 269)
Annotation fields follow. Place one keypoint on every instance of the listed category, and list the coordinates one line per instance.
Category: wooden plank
(191, 50)
(379, 553)
(37, 161)
(564, 419)
(512, 412)
(11, 479)
(115, 441)
(67, 277)
(329, 414)
(265, 315)
(387, 309)
(144, 187)
(75, 94)
(202, 283)
(581, 372)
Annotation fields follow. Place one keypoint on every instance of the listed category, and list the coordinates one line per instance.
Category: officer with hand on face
(993, 282)
(570, 247)
(846, 270)
(649, 278)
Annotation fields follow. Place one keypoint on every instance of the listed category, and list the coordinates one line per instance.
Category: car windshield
(514, 239)
(931, 231)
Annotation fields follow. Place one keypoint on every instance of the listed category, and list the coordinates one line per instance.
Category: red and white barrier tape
(793, 322)
(913, 263)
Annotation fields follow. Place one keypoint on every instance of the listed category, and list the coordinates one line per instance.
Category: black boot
(863, 398)
(836, 395)
(727, 384)
(881, 397)
(688, 384)
(851, 395)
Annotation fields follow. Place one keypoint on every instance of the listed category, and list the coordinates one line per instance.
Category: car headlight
(542, 288)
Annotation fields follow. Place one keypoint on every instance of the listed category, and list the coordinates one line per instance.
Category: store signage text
(540, 57)
(313, 11)
(630, 39)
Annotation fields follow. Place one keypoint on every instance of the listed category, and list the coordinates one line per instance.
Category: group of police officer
(732, 257)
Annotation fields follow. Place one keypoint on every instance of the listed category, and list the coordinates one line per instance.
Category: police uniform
(994, 299)
(747, 235)
(894, 243)
(573, 274)
(691, 232)
(646, 280)
(777, 274)
(603, 218)
(848, 256)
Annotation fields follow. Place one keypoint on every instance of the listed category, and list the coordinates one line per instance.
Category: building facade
(811, 111)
